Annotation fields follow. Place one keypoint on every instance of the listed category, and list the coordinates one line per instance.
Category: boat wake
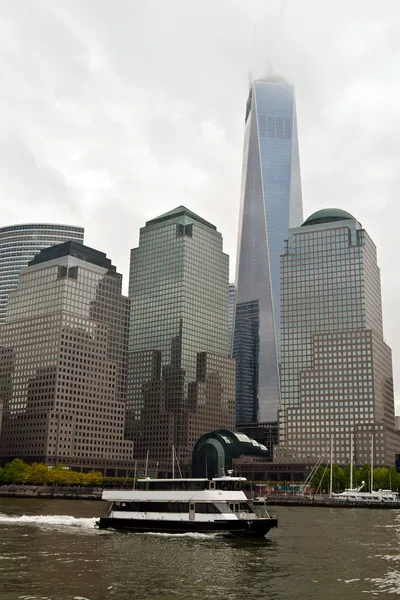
(195, 535)
(49, 520)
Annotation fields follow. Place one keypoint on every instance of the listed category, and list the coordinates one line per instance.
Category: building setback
(19, 244)
(270, 203)
(337, 378)
(64, 362)
(181, 381)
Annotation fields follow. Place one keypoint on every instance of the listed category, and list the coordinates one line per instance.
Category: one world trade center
(270, 204)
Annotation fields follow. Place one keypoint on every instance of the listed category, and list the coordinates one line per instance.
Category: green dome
(327, 215)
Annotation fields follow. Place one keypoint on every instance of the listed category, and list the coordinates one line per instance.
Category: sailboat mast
(331, 473)
(351, 462)
(372, 463)
(135, 475)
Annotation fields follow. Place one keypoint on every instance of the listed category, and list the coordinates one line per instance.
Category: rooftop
(273, 78)
(72, 248)
(328, 215)
(179, 212)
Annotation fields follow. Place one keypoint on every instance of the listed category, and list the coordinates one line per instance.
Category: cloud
(114, 112)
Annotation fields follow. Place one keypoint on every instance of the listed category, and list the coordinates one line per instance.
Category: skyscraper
(63, 362)
(231, 308)
(270, 204)
(181, 381)
(19, 244)
(337, 378)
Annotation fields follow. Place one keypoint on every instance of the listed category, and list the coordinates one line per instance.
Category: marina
(320, 501)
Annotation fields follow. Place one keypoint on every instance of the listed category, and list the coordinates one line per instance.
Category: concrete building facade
(64, 362)
(337, 376)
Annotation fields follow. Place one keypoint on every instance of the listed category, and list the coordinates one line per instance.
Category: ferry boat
(217, 505)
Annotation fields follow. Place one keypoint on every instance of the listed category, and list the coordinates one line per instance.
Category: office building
(181, 381)
(64, 362)
(19, 244)
(337, 378)
(270, 203)
(231, 308)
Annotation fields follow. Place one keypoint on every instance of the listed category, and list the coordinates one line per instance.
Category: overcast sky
(114, 111)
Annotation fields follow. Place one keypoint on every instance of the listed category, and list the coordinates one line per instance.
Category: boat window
(175, 484)
(206, 507)
(244, 507)
(174, 507)
(223, 507)
(231, 486)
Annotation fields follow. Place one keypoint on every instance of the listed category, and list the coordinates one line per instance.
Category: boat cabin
(231, 484)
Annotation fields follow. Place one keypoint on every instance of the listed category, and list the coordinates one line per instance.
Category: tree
(93, 478)
(320, 480)
(338, 479)
(37, 474)
(15, 471)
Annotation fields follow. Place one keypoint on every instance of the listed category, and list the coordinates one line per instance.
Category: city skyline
(127, 139)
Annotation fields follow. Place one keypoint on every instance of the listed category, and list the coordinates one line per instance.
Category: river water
(49, 550)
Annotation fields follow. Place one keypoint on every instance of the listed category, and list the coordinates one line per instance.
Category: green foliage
(384, 478)
(320, 481)
(17, 471)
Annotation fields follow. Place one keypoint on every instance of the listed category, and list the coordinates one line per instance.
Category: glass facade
(63, 362)
(179, 313)
(19, 244)
(337, 376)
(231, 308)
(270, 203)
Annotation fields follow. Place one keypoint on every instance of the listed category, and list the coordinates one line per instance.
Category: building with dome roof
(270, 203)
(337, 376)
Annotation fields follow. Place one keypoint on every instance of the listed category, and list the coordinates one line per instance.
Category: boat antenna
(147, 464)
(173, 461)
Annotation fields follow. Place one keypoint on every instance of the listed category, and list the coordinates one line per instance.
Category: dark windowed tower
(337, 379)
(180, 376)
(270, 204)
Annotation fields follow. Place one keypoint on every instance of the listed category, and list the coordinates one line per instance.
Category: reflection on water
(51, 550)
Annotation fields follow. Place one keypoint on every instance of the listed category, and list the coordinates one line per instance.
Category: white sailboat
(355, 494)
